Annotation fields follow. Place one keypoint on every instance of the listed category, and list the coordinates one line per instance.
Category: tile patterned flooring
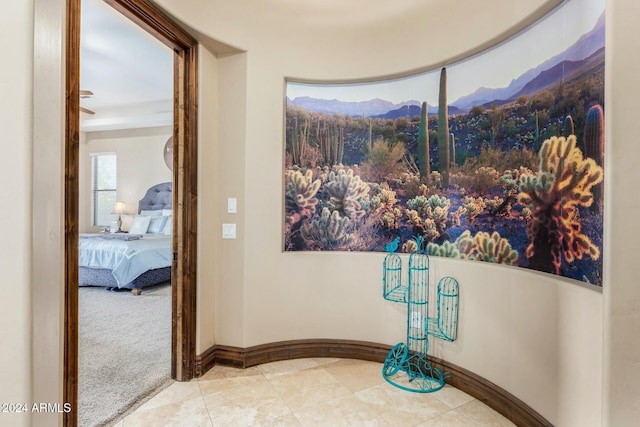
(307, 392)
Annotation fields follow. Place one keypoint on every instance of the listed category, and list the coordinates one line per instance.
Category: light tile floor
(307, 392)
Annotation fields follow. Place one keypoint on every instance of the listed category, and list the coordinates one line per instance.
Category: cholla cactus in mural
(300, 192)
(563, 182)
(438, 210)
(434, 208)
(493, 248)
(436, 179)
(380, 199)
(409, 246)
(329, 231)
(481, 247)
(420, 204)
(494, 203)
(454, 217)
(390, 218)
(387, 196)
(414, 219)
(431, 231)
(510, 181)
(473, 206)
(446, 249)
(345, 192)
(466, 245)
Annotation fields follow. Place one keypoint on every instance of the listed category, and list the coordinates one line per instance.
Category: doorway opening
(184, 202)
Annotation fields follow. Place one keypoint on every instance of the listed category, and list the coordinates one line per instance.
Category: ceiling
(129, 72)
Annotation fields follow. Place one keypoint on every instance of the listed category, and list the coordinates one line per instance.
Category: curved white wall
(537, 336)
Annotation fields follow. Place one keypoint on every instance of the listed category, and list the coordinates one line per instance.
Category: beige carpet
(124, 350)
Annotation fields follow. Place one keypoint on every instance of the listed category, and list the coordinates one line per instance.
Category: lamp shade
(119, 208)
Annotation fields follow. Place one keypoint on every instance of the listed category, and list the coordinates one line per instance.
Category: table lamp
(119, 208)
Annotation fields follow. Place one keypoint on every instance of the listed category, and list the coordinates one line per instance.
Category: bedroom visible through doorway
(125, 215)
(154, 202)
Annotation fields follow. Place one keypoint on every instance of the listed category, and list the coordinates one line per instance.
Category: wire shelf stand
(407, 365)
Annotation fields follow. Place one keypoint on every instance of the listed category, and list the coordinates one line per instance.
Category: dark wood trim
(185, 48)
(71, 210)
(148, 16)
(207, 360)
(514, 409)
(485, 391)
(185, 205)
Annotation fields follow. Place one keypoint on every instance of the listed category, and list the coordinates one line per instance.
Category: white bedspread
(126, 259)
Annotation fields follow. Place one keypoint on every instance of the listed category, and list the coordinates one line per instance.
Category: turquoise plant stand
(407, 365)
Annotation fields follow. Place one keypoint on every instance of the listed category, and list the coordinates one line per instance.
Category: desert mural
(497, 158)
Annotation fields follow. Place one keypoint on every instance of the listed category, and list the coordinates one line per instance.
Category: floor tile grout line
(275, 389)
(204, 402)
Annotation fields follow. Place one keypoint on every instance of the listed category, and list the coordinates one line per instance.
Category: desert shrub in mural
(510, 175)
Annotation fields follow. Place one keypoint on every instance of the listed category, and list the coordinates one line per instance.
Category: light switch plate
(228, 231)
(232, 205)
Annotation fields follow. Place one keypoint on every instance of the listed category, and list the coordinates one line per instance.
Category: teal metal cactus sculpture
(392, 289)
(407, 365)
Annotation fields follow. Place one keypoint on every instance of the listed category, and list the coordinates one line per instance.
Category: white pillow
(168, 227)
(140, 224)
(167, 212)
(156, 212)
(156, 224)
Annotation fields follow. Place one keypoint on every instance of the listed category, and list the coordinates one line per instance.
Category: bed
(133, 260)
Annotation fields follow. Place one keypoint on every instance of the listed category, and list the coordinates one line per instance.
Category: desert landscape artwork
(496, 158)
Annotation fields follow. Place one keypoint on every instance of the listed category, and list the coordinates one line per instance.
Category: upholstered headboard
(157, 197)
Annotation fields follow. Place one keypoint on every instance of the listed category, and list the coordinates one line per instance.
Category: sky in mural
(516, 55)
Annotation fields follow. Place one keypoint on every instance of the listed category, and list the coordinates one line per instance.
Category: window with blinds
(103, 184)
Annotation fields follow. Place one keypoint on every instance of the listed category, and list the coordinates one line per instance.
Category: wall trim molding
(485, 391)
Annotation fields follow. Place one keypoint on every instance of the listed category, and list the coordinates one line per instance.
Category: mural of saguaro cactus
(443, 129)
(537, 132)
(452, 149)
(594, 147)
(567, 128)
(563, 182)
(370, 133)
(423, 143)
(331, 139)
(299, 140)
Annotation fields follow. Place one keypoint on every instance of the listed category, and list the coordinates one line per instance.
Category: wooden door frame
(183, 278)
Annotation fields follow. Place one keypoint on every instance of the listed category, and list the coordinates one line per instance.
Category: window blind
(103, 184)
